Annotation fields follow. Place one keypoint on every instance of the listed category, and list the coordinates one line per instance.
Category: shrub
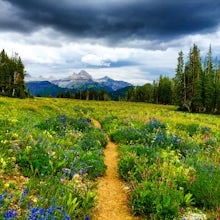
(93, 139)
(126, 165)
(206, 187)
(154, 125)
(159, 182)
(34, 160)
(162, 200)
(62, 122)
(128, 136)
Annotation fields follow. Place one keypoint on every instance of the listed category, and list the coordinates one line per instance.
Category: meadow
(51, 155)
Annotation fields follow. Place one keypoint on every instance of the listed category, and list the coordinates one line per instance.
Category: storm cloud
(131, 40)
(115, 21)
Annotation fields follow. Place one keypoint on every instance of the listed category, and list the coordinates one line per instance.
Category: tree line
(90, 94)
(195, 87)
(12, 76)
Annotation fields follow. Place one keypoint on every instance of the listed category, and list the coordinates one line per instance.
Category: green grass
(169, 159)
(57, 151)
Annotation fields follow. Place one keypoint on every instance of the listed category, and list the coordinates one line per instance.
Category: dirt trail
(111, 193)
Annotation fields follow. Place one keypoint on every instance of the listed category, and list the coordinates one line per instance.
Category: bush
(128, 136)
(154, 124)
(34, 160)
(126, 165)
(159, 181)
(62, 122)
(93, 139)
(206, 186)
(161, 201)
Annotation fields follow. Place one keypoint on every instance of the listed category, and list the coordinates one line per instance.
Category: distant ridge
(45, 88)
(114, 84)
(76, 82)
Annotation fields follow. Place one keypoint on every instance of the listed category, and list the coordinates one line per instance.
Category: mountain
(84, 80)
(111, 83)
(75, 79)
(76, 82)
(44, 88)
(29, 78)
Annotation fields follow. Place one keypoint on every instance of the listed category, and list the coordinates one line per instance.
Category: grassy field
(51, 155)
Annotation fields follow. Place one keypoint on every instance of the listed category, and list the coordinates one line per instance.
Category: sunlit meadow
(51, 155)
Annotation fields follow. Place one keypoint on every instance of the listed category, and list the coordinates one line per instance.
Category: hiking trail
(111, 191)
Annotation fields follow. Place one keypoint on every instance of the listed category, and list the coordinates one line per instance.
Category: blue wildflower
(11, 196)
(1, 200)
(87, 218)
(41, 211)
(65, 216)
(10, 214)
(29, 205)
(34, 210)
(23, 195)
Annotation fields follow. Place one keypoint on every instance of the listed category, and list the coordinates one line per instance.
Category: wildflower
(192, 179)
(182, 210)
(41, 211)
(2, 161)
(73, 174)
(1, 200)
(65, 216)
(62, 180)
(51, 210)
(35, 210)
(87, 218)
(6, 185)
(23, 195)
(10, 214)
(29, 205)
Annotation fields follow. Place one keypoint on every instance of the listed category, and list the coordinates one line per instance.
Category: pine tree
(148, 90)
(194, 74)
(187, 102)
(155, 92)
(12, 76)
(179, 90)
(217, 89)
(20, 78)
(131, 94)
(4, 62)
(140, 94)
(208, 83)
(164, 90)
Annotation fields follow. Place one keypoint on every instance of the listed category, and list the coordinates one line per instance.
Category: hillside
(51, 150)
(120, 94)
(44, 88)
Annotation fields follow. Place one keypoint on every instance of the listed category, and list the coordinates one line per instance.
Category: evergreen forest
(195, 87)
(12, 76)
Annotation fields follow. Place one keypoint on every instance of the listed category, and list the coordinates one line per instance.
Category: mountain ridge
(76, 82)
(82, 80)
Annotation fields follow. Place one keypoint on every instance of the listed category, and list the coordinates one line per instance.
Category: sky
(130, 40)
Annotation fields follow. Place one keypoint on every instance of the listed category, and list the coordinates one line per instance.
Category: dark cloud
(115, 21)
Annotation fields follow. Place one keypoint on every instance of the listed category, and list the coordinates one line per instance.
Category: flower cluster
(36, 213)
(10, 214)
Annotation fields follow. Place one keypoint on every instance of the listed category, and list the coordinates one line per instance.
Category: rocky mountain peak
(81, 75)
(105, 78)
(84, 80)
